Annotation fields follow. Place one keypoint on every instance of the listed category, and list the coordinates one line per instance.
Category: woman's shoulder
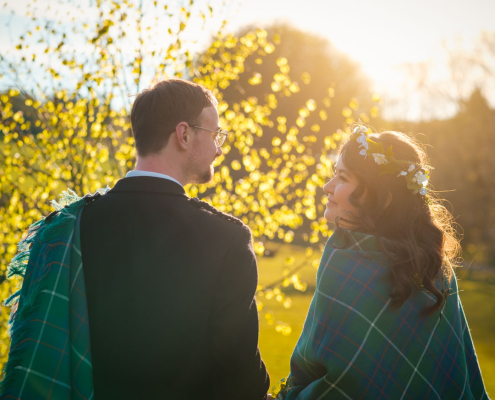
(349, 251)
(353, 266)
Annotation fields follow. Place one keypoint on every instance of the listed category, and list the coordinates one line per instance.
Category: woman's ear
(389, 199)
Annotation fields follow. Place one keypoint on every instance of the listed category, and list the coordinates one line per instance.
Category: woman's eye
(342, 179)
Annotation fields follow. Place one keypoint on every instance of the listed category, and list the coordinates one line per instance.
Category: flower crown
(416, 176)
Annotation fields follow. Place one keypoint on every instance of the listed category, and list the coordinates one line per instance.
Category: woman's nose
(328, 188)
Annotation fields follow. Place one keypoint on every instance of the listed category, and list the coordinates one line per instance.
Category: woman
(386, 321)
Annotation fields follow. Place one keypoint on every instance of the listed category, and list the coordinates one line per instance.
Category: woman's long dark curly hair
(422, 241)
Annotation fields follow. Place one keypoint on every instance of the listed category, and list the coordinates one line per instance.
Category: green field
(477, 295)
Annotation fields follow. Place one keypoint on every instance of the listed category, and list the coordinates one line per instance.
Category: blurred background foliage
(286, 96)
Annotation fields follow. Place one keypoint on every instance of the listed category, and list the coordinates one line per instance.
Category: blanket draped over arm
(50, 354)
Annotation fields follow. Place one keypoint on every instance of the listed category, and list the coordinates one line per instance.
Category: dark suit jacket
(170, 288)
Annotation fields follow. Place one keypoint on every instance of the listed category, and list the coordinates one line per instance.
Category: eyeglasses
(220, 136)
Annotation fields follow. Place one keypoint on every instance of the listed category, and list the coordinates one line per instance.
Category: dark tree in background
(462, 150)
(307, 93)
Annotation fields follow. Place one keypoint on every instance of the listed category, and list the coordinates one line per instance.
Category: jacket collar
(149, 184)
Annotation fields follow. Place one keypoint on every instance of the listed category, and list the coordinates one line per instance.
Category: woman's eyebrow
(341, 171)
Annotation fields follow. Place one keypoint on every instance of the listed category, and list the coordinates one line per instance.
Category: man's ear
(183, 135)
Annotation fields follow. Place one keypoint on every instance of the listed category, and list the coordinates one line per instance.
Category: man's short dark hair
(158, 109)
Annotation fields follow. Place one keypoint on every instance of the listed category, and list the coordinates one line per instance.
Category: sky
(381, 35)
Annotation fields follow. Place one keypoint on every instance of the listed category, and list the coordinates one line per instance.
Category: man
(170, 280)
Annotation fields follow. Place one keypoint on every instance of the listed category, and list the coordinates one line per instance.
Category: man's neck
(153, 164)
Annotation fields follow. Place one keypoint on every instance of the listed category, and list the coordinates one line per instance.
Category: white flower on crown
(422, 191)
(411, 167)
(402, 173)
(421, 178)
(363, 143)
(362, 140)
(379, 158)
(360, 129)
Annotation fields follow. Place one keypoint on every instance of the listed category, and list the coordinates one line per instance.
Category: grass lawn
(477, 295)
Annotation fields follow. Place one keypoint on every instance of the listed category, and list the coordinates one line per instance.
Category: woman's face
(339, 189)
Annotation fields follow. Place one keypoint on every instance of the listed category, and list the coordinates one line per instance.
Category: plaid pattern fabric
(354, 346)
(50, 355)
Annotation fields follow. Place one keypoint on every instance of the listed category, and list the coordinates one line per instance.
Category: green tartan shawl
(355, 346)
(50, 354)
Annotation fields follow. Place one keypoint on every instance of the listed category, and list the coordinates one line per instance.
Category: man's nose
(219, 151)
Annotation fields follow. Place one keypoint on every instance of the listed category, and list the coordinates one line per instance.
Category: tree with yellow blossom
(65, 120)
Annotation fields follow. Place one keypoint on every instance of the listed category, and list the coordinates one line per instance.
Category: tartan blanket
(50, 354)
(354, 346)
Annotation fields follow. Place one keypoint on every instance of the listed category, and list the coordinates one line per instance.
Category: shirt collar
(132, 174)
